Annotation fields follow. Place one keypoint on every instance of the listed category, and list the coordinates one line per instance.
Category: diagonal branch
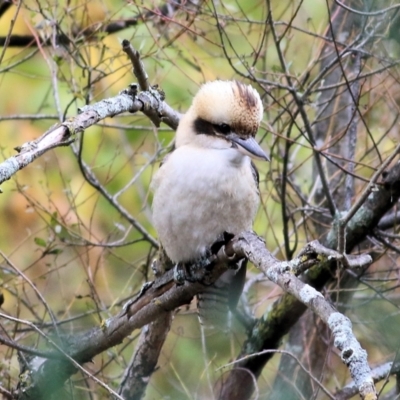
(379, 373)
(270, 329)
(144, 361)
(352, 354)
(157, 299)
(64, 134)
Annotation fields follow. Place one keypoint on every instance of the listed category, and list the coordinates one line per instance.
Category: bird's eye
(222, 128)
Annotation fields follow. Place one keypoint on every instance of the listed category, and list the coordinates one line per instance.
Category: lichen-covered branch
(250, 246)
(382, 372)
(157, 299)
(269, 330)
(64, 133)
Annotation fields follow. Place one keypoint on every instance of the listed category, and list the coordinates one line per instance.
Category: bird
(207, 187)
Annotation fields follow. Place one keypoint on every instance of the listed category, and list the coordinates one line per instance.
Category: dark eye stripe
(201, 126)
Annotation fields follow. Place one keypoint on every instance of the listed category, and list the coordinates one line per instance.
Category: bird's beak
(248, 146)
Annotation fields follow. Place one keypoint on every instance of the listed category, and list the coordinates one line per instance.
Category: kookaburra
(208, 185)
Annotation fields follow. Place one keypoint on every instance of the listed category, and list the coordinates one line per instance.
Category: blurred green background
(83, 256)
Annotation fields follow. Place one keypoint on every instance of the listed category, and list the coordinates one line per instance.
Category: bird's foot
(222, 240)
(180, 273)
(198, 269)
(193, 271)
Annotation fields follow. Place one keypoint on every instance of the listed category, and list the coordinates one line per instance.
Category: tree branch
(144, 361)
(154, 301)
(157, 299)
(352, 354)
(269, 329)
(382, 372)
(64, 134)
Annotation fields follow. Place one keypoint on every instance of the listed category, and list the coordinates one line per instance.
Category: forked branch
(163, 295)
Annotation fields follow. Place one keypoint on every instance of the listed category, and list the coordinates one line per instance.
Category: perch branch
(252, 247)
(269, 330)
(160, 297)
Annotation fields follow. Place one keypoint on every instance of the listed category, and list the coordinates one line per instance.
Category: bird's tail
(216, 302)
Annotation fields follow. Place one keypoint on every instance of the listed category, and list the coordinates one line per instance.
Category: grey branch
(286, 311)
(281, 273)
(157, 299)
(382, 372)
(145, 359)
(63, 134)
(138, 67)
(348, 260)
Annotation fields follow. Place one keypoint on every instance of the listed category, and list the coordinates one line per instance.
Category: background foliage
(83, 254)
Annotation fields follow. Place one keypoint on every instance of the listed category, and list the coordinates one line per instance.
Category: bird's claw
(193, 271)
(179, 274)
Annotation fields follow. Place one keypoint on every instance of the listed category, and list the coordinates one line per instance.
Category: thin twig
(138, 67)
(365, 13)
(309, 373)
(62, 352)
(35, 289)
(307, 125)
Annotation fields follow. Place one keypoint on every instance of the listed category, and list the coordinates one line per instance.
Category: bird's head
(224, 114)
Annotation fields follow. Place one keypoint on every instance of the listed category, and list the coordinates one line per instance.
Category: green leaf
(55, 251)
(40, 242)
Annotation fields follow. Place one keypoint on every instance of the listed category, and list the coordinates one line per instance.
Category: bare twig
(35, 290)
(27, 350)
(368, 13)
(370, 187)
(138, 67)
(299, 363)
(307, 125)
(155, 300)
(7, 39)
(38, 362)
(112, 199)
